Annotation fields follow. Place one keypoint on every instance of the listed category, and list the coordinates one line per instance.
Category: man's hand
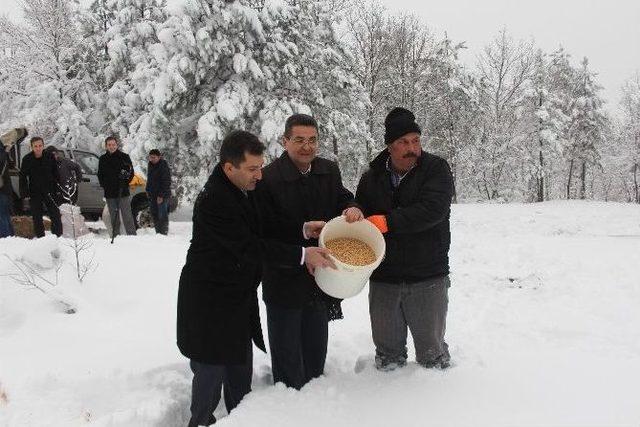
(353, 214)
(312, 229)
(317, 257)
(159, 200)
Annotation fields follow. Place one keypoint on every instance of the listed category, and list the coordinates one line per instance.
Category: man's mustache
(410, 155)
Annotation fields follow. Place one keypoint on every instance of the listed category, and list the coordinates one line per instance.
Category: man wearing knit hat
(407, 193)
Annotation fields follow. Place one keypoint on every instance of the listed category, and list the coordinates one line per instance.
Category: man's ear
(227, 167)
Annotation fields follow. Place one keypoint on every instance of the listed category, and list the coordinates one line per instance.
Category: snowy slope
(544, 329)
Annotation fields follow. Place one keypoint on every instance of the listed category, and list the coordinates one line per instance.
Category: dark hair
(155, 152)
(298, 120)
(35, 139)
(109, 138)
(236, 144)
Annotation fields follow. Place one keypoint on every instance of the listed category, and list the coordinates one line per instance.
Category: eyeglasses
(299, 141)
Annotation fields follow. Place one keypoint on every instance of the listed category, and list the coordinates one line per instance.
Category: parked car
(90, 194)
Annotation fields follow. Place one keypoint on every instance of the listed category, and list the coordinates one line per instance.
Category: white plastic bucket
(348, 280)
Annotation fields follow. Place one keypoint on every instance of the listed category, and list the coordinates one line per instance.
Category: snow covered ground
(544, 329)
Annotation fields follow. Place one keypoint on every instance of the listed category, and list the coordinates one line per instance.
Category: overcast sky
(606, 31)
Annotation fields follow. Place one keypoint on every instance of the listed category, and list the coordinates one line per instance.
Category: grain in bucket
(353, 260)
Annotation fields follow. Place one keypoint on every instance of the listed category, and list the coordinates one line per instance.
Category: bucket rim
(373, 265)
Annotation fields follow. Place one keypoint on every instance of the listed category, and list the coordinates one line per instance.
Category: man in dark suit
(218, 316)
(299, 186)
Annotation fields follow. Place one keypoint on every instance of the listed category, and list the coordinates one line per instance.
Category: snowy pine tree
(131, 71)
(586, 131)
(546, 121)
(224, 66)
(322, 79)
(453, 111)
(44, 77)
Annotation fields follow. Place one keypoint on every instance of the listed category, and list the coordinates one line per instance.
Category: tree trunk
(541, 176)
(636, 191)
(583, 180)
(569, 180)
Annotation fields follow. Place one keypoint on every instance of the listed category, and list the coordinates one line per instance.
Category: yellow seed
(351, 251)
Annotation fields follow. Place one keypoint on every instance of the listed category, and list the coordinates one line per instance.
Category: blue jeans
(6, 229)
(160, 214)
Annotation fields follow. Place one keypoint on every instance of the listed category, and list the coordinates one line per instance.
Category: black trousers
(206, 387)
(36, 203)
(298, 342)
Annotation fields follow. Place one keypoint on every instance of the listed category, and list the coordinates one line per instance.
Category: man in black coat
(38, 181)
(159, 190)
(115, 172)
(69, 177)
(218, 314)
(407, 194)
(299, 187)
(7, 162)
(6, 193)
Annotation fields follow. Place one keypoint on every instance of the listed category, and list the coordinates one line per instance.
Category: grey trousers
(421, 307)
(122, 204)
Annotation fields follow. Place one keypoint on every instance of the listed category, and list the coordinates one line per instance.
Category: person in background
(159, 190)
(6, 229)
(69, 177)
(115, 171)
(38, 181)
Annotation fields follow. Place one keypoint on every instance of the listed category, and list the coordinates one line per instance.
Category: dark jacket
(69, 173)
(417, 214)
(38, 176)
(5, 178)
(287, 199)
(159, 179)
(115, 171)
(217, 297)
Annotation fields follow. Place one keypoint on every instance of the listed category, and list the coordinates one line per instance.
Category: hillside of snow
(543, 328)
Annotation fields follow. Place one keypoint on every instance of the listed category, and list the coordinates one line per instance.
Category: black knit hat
(398, 123)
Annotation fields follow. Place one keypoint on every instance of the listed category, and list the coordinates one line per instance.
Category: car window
(88, 162)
